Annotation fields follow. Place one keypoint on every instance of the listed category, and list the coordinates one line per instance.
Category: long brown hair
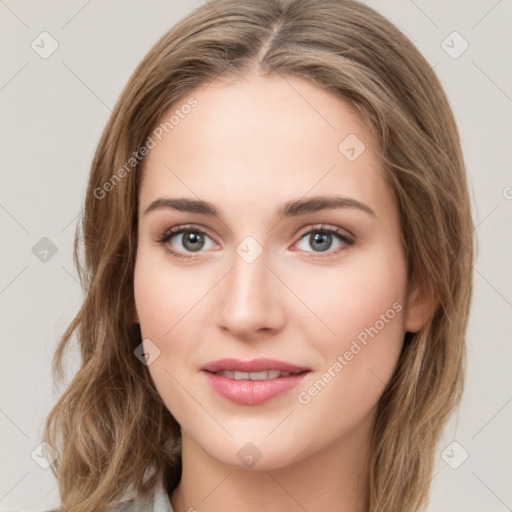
(110, 428)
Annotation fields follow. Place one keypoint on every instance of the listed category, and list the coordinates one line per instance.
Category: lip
(254, 365)
(252, 392)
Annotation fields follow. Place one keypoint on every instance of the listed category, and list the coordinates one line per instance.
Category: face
(265, 270)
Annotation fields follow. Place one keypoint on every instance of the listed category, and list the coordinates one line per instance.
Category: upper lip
(254, 365)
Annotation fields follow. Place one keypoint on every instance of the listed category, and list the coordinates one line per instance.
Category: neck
(336, 477)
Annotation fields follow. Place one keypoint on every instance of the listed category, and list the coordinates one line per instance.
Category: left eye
(321, 240)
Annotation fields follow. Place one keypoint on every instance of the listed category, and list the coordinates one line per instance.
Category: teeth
(271, 374)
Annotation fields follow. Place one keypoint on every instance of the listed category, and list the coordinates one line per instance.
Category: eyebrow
(289, 209)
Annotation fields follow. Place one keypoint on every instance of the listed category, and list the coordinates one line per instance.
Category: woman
(278, 253)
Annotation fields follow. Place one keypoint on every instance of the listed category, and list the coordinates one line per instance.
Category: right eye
(185, 239)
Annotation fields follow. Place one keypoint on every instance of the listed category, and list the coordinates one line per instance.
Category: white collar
(161, 502)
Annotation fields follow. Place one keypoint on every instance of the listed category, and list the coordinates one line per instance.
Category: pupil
(324, 239)
(195, 241)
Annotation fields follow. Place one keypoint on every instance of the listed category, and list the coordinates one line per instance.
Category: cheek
(352, 296)
(169, 311)
(163, 295)
(372, 316)
(364, 295)
(364, 309)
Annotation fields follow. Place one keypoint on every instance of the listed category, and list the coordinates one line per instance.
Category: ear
(422, 303)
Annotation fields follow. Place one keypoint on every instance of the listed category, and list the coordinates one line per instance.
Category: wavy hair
(110, 429)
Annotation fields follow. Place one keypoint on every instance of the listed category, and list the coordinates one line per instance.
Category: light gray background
(52, 114)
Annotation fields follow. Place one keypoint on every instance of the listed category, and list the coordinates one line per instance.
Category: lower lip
(252, 392)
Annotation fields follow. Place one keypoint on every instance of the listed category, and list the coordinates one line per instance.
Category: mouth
(253, 366)
(252, 382)
(265, 375)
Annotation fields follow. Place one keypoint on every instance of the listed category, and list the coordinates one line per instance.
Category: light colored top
(155, 501)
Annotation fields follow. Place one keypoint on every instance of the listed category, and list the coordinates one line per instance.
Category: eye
(185, 239)
(322, 238)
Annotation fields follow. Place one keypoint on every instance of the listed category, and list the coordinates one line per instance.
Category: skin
(248, 147)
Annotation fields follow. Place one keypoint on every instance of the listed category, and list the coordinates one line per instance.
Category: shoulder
(125, 506)
(156, 500)
(144, 503)
(132, 505)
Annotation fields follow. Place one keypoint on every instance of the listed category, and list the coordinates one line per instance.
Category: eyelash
(170, 233)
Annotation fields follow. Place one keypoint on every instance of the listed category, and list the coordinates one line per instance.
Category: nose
(249, 300)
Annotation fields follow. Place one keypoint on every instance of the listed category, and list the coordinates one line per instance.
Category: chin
(260, 454)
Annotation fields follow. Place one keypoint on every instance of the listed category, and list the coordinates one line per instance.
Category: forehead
(263, 139)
